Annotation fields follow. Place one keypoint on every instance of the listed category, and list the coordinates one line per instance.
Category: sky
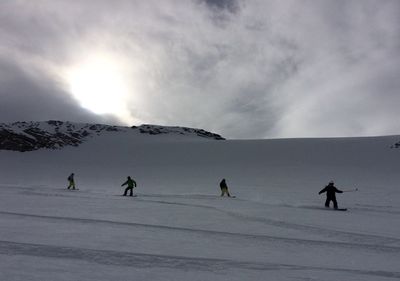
(240, 68)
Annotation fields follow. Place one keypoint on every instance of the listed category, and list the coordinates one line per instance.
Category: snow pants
(225, 191)
(328, 200)
(126, 191)
(71, 184)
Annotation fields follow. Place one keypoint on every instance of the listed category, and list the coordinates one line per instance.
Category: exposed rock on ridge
(29, 136)
(396, 145)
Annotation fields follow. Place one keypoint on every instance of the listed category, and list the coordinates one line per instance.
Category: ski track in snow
(37, 191)
(140, 260)
(348, 236)
(267, 238)
(373, 241)
(344, 235)
(356, 242)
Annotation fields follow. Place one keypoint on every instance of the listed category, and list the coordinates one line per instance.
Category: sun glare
(98, 84)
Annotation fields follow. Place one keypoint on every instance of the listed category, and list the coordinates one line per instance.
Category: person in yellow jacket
(131, 184)
(224, 188)
(71, 181)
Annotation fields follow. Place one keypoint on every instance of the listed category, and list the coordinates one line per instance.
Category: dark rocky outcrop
(29, 136)
(396, 145)
(157, 130)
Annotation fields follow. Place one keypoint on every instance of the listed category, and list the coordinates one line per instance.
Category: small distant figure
(224, 188)
(331, 191)
(71, 181)
(131, 184)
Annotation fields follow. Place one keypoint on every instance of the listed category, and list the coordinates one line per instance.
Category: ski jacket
(130, 182)
(223, 185)
(71, 178)
(331, 191)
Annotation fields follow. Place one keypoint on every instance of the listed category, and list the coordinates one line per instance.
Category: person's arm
(322, 191)
(134, 183)
(338, 191)
(125, 183)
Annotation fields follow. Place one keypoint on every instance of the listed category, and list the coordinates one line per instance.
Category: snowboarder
(131, 184)
(224, 188)
(71, 181)
(331, 191)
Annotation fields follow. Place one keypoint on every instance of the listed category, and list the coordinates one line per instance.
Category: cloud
(245, 69)
(229, 5)
(25, 96)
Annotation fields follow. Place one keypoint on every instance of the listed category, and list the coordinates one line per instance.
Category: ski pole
(351, 190)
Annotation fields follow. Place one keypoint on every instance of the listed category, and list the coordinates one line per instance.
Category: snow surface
(178, 228)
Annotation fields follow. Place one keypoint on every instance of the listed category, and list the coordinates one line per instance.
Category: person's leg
(126, 191)
(334, 203)
(327, 202)
(131, 189)
(73, 185)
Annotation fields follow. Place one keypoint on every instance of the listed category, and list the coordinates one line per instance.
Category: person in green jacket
(131, 184)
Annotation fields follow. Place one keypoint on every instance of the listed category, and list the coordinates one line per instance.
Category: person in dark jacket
(331, 191)
(224, 188)
(71, 181)
(131, 184)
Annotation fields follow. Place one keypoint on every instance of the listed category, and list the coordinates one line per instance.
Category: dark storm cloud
(229, 5)
(245, 69)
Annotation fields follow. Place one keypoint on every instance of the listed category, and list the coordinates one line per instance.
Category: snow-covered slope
(178, 228)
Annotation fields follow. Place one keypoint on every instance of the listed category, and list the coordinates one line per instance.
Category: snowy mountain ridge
(29, 136)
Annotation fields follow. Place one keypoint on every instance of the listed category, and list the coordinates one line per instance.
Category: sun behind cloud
(99, 85)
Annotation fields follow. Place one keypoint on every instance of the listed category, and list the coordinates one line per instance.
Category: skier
(331, 191)
(224, 188)
(71, 181)
(131, 184)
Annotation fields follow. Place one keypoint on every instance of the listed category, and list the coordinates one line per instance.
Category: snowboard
(338, 209)
(322, 208)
